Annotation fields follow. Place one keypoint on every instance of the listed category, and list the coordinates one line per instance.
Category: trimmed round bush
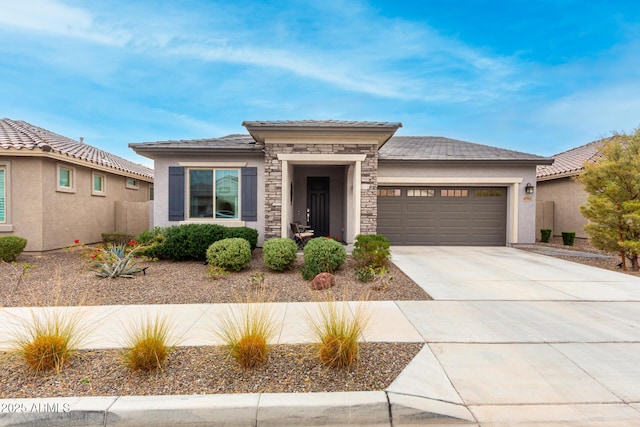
(371, 250)
(230, 254)
(322, 255)
(279, 254)
(11, 247)
(189, 241)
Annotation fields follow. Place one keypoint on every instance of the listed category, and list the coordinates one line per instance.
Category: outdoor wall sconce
(529, 189)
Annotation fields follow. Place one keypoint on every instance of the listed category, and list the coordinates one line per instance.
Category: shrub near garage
(11, 247)
(322, 255)
(230, 254)
(371, 250)
(279, 254)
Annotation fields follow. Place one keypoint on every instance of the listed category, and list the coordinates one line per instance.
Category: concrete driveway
(516, 338)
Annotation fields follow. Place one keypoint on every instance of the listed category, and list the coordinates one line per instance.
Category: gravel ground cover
(582, 245)
(207, 370)
(64, 278)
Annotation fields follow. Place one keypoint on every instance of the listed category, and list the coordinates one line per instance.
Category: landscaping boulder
(323, 281)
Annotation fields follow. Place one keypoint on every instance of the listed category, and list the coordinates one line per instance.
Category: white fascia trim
(336, 140)
(315, 158)
(477, 181)
(213, 164)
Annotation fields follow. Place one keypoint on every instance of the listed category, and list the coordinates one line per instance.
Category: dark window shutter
(176, 193)
(249, 194)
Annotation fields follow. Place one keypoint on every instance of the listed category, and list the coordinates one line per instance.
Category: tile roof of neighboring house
(440, 148)
(320, 123)
(233, 142)
(20, 135)
(570, 162)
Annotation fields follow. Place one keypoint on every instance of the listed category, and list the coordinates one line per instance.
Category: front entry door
(318, 204)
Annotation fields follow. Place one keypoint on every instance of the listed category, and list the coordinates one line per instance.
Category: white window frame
(72, 178)
(188, 194)
(6, 225)
(134, 186)
(102, 192)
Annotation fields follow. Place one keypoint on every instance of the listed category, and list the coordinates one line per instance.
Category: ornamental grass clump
(247, 329)
(230, 254)
(322, 255)
(279, 254)
(48, 338)
(337, 332)
(147, 344)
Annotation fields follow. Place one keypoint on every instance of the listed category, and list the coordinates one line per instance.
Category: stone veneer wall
(273, 181)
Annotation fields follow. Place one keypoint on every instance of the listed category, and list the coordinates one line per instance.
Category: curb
(367, 408)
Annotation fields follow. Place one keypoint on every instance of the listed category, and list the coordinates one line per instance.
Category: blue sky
(535, 76)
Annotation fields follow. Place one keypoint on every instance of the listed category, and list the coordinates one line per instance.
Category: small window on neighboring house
(98, 184)
(3, 195)
(132, 183)
(66, 179)
(151, 195)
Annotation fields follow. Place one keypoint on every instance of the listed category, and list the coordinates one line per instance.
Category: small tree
(613, 204)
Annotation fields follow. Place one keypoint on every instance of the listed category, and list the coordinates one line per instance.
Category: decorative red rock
(323, 281)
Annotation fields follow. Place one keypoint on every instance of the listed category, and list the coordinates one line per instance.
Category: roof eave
(528, 162)
(559, 175)
(152, 152)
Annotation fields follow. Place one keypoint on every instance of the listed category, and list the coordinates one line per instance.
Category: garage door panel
(436, 220)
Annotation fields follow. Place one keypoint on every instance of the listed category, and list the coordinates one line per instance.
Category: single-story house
(55, 190)
(344, 178)
(560, 195)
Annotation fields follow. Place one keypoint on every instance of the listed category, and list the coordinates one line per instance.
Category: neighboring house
(345, 178)
(560, 195)
(54, 190)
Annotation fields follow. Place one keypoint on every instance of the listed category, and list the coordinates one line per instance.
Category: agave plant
(116, 262)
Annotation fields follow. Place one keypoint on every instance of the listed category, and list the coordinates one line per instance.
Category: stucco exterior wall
(567, 195)
(161, 180)
(50, 219)
(477, 175)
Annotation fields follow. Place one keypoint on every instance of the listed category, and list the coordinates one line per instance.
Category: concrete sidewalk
(512, 338)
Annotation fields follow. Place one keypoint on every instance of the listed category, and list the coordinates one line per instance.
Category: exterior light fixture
(529, 189)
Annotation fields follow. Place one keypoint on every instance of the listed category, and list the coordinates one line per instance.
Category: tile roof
(234, 141)
(440, 148)
(20, 135)
(320, 123)
(570, 162)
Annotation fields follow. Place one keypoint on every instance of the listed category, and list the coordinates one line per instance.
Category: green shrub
(147, 237)
(545, 235)
(116, 238)
(371, 250)
(11, 247)
(249, 234)
(189, 241)
(322, 255)
(279, 254)
(568, 237)
(230, 254)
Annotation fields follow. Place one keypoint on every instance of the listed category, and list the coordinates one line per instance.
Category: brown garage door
(444, 216)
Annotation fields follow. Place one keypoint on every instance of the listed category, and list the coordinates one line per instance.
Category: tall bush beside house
(613, 203)
(249, 234)
(279, 254)
(189, 241)
(371, 250)
(322, 255)
(11, 247)
(230, 254)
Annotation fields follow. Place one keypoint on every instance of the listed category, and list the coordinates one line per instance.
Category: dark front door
(318, 204)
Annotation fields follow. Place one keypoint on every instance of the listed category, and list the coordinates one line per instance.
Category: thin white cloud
(362, 52)
(53, 17)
